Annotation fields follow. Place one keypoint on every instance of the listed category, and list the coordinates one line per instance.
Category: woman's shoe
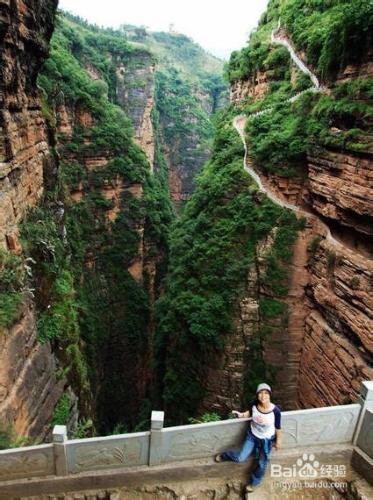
(218, 458)
(249, 489)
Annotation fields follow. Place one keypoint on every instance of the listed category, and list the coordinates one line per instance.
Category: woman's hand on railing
(277, 444)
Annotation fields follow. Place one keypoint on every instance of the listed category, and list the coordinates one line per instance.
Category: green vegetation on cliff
(10, 439)
(332, 35)
(189, 87)
(212, 246)
(12, 284)
(93, 70)
(97, 311)
(186, 127)
(280, 140)
(182, 54)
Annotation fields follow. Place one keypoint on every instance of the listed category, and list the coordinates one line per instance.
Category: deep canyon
(140, 265)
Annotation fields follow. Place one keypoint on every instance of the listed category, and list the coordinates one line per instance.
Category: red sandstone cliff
(27, 369)
(126, 196)
(326, 350)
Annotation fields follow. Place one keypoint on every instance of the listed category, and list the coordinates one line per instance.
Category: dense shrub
(332, 34)
(211, 247)
(93, 299)
(12, 283)
(61, 412)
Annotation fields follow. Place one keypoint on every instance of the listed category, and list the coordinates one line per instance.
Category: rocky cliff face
(247, 350)
(188, 89)
(338, 341)
(340, 187)
(23, 149)
(254, 88)
(327, 349)
(184, 115)
(28, 382)
(224, 378)
(135, 88)
(115, 193)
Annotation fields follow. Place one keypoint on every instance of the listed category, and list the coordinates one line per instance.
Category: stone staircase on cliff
(239, 124)
(307, 321)
(317, 88)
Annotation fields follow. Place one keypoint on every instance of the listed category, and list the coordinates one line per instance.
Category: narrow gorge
(86, 250)
(161, 247)
(301, 311)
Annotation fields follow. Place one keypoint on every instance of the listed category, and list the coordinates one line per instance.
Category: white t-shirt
(263, 425)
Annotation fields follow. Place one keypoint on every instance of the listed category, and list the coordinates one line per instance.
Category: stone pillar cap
(59, 433)
(367, 390)
(157, 419)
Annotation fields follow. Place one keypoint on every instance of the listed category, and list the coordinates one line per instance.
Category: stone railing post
(362, 455)
(366, 401)
(155, 447)
(59, 450)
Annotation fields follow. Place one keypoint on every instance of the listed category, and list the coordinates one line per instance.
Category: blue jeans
(262, 447)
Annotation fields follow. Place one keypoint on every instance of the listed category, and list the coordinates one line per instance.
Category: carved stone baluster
(366, 401)
(59, 450)
(362, 456)
(157, 420)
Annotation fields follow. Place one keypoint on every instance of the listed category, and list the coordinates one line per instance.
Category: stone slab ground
(196, 480)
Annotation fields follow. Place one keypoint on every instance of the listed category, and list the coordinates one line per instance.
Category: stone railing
(362, 457)
(349, 424)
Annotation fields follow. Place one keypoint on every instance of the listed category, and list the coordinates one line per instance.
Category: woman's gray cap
(263, 387)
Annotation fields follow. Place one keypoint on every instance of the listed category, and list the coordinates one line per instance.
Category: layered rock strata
(29, 384)
(255, 88)
(135, 93)
(29, 388)
(338, 339)
(340, 183)
(24, 36)
(283, 349)
(327, 348)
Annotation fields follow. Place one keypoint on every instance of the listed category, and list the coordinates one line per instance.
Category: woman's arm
(244, 414)
(278, 439)
(278, 432)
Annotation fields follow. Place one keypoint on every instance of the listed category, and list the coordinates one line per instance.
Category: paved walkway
(193, 480)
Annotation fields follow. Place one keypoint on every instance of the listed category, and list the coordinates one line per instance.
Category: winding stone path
(239, 123)
(283, 41)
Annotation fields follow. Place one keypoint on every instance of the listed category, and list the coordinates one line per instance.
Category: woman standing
(264, 431)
